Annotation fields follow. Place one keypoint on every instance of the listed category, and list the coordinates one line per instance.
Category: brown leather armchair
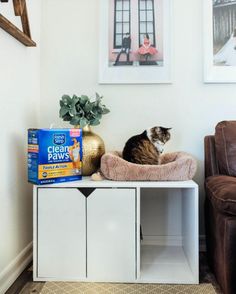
(220, 204)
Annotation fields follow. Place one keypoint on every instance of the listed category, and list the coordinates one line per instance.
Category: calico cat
(147, 147)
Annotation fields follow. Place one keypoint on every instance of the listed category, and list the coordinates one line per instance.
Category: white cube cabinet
(85, 233)
(134, 232)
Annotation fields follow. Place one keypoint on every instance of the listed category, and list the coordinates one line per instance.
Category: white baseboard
(15, 268)
(171, 241)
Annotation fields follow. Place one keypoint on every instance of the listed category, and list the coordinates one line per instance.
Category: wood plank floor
(25, 285)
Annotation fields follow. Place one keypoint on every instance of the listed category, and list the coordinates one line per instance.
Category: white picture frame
(132, 74)
(213, 73)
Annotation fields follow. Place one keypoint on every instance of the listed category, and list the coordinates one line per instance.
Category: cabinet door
(61, 234)
(111, 250)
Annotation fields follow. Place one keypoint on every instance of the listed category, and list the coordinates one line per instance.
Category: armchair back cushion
(221, 192)
(225, 142)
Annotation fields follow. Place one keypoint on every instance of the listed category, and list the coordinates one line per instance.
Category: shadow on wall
(22, 191)
(19, 190)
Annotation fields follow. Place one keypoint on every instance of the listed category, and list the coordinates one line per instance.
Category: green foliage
(81, 110)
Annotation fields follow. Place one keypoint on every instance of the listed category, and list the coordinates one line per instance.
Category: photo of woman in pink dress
(136, 33)
(147, 50)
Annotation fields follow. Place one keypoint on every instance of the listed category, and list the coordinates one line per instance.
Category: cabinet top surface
(87, 182)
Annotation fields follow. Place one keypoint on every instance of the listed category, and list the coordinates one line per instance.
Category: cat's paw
(97, 177)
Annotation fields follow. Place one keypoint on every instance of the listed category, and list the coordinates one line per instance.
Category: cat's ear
(165, 129)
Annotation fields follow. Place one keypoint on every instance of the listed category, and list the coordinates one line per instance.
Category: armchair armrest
(211, 164)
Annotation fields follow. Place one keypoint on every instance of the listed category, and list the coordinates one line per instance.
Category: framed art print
(135, 42)
(220, 41)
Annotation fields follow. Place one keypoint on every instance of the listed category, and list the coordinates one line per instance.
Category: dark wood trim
(10, 28)
(18, 7)
(25, 20)
(24, 37)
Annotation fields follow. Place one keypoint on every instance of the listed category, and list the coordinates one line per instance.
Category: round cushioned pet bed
(178, 166)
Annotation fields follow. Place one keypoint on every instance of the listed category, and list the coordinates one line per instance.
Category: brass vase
(93, 149)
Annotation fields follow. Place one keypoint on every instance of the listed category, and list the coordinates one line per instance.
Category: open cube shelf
(169, 222)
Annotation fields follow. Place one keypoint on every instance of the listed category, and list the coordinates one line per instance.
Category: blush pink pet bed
(178, 166)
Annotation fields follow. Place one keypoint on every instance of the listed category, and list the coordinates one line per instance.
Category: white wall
(70, 37)
(19, 96)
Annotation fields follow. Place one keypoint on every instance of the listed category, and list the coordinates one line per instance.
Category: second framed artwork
(135, 41)
(220, 41)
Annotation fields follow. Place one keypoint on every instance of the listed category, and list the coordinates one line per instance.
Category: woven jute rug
(107, 288)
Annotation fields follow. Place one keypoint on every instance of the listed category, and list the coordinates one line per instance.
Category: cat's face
(160, 135)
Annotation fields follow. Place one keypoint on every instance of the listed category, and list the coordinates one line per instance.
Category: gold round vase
(93, 149)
